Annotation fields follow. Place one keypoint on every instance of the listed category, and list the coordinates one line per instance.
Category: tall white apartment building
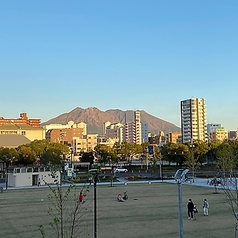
(193, 120)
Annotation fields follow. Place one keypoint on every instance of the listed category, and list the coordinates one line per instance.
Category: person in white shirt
(205, 207)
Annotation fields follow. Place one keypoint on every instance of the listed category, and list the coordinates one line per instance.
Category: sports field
(151, 211)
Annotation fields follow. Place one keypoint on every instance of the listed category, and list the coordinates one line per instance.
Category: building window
(23, 170)
(35, 170)
(18, 171)
(29, 170)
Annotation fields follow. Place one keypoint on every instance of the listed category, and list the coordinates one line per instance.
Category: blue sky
(130, 54)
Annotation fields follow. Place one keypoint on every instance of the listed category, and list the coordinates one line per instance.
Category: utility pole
(95, 204)
(179, 177)
(147, 159)
(160, 168)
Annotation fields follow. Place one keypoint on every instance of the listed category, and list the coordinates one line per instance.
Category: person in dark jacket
(190, 207)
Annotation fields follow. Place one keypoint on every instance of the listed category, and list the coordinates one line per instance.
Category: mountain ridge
(94, 118)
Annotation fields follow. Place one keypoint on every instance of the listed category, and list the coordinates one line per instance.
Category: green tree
(200, 150)
(195, 155)
(52, 156)
(87, 157)
(8, 155)
(175, 153)
(211, 153)
(26, 156)
(226, 154)
(65, 210)
(157, 156)
(106, 153)
(53, 153)
(128, 150)
(226, 161)
(39, 147)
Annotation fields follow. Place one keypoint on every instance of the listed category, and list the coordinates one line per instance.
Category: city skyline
(128, 55)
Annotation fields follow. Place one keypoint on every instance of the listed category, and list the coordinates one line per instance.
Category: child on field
(80, 197)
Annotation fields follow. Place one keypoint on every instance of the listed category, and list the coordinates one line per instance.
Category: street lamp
(95, 204)
(193, 161)
(112, 171)
(179, 177)
(160, 168)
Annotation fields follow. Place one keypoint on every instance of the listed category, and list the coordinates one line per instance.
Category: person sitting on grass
(120, 198)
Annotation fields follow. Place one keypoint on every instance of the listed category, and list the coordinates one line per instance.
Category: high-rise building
(193, 120)
(144, 132)
(132, 130)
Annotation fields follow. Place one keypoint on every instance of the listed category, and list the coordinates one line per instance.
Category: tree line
(38, 152)
(41, 152)
(192, 155)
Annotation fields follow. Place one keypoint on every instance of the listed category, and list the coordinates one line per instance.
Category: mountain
(94, 118)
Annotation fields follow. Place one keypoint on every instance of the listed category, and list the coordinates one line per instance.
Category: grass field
(151, 211)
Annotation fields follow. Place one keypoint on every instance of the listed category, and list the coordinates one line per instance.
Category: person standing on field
(80, 197)
(205, 207)
(190, 207)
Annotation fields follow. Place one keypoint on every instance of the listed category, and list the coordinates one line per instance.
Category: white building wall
(70, 124)
(105, 125)
(212, 127)
(20, 178)
(144, 132)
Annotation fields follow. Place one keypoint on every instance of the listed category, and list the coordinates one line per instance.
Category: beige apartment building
(85, 144)
(31, 133)
(174, 137)
(73, 135)
(219, 134)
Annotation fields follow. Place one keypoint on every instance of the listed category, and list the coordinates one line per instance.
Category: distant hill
(94, 118)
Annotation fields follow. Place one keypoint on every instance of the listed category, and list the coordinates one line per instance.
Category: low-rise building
(31, 176)
(233, 135)
(64, 135)
(174, 137)
(85, 144)
(69, 125)
(23, 120)
(13, 141)
(30, 132)
(219, 134)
